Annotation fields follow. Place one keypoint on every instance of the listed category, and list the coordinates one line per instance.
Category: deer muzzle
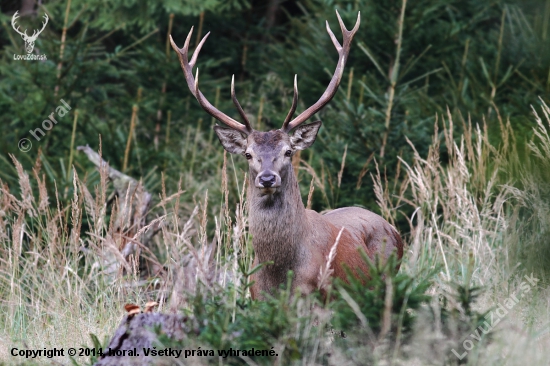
(267, 179)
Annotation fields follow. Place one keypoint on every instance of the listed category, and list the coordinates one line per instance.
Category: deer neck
(278, 223)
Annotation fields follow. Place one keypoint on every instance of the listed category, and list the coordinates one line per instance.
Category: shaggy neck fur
(278, 225)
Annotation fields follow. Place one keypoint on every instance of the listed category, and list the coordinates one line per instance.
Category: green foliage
(276, 324)
(261, 325)
(468, 56)
(406, 295)
(281, 321)
(111, 61)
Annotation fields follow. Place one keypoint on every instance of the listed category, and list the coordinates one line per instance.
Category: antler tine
(193, 84)
(198, 49)
(238, 105)
(343, 52)
(13, 19)
(348, 35)
(294, 104)
(198, 94)
(46, 18)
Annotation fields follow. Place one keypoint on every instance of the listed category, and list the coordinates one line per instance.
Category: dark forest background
(473, 58)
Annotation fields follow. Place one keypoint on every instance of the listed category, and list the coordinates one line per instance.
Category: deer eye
(288, 153)
(248, 156)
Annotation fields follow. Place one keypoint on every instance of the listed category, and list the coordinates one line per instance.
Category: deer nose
(267, 180)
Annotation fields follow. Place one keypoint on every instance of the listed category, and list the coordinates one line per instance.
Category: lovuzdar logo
(29, 40)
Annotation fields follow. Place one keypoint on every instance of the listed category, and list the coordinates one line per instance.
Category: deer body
(283, 231)
(297, 239)
(306, 254)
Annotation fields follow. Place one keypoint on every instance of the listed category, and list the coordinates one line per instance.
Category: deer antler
(15, 16)
(343, 52)
(294, 103)
(36, 33)
(24, 34)
(193, 84)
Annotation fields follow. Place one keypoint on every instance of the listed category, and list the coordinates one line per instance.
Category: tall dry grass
(66, 270)
(480, 214)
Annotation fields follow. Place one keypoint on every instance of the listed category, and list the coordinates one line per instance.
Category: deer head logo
(29, 40)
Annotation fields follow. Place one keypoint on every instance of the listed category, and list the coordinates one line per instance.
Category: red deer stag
(283, 231)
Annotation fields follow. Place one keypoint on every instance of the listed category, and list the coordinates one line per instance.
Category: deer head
(29, 40)
(268, 153)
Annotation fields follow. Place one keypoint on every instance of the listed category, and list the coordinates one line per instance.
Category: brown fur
(300, 240)
(290, 236)
(268, 139)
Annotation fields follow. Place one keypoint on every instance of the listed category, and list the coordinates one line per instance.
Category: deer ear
(232, 140)
(304, 135)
